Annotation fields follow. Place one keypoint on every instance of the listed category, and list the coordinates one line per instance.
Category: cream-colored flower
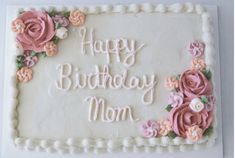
(24, 74)
(62, 33)
(171, 83)
(194, 133)
(164, 127)
(77, 18)
(198, 64)
(17, 26)
(196, 105)
(50, 49)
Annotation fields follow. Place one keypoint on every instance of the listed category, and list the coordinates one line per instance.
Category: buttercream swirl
(196, 48)
(150, 128)
(198, 64)
(194, 133)
(18, 26)
(171, 83)
(77, 18)
(175, 99)
(24, 74)
(164, 127)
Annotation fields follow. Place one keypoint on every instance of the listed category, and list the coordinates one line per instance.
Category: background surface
(225, 14)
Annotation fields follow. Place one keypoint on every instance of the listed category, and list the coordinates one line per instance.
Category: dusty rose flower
(77, 18)
(193, 84)
(211, 103)
(18, 26)
(39, 29)
(171, 83)
(175, 99)
(198, 64)
(164, 127)
(194, 133)
(150, 129)
(182, 117)
(196, 48)
(24, 74)
(29, 60)
(51, 49)
(63, 21)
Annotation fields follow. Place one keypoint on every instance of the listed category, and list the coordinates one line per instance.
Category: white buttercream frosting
(135, 144)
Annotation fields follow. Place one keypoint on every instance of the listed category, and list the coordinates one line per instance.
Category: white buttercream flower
(62, 33)
(196, 105)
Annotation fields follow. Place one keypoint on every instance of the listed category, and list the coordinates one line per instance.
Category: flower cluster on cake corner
(190, 102)
(37, 35)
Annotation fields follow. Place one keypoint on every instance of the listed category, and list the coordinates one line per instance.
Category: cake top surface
(131, 74)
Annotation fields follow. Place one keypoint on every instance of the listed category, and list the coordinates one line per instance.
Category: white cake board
(9, 151)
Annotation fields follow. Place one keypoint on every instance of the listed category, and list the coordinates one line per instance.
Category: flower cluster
(190, 101)
(152, 128)
(37, 34)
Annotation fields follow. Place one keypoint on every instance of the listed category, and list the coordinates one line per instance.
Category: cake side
(128, 143)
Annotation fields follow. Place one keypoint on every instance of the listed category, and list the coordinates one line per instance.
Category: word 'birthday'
(123, 50)
(70, 78)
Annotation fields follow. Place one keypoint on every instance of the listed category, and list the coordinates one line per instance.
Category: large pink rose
(193, 84)
(182, 118)
(39, 29)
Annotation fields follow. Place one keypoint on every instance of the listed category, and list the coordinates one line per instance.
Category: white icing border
(128, 144)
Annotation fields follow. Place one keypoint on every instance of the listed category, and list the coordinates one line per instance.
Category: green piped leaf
(19, 58)
(33, 53)
(55, 39)
(204, 99)
(208, 131)
(52, 13)
(20, 65)
(66, 14)
(21, 12)
(207, 73)
(178, 77)
(57, 25)
(43, 54)
(172, 135)
(168, 108)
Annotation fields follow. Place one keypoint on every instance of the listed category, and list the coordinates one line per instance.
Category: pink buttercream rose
(175, 99)
(193, 84)
(39, 29)
(182, 117)
(150, 129)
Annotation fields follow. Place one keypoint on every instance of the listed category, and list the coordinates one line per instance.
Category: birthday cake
(135, 77)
